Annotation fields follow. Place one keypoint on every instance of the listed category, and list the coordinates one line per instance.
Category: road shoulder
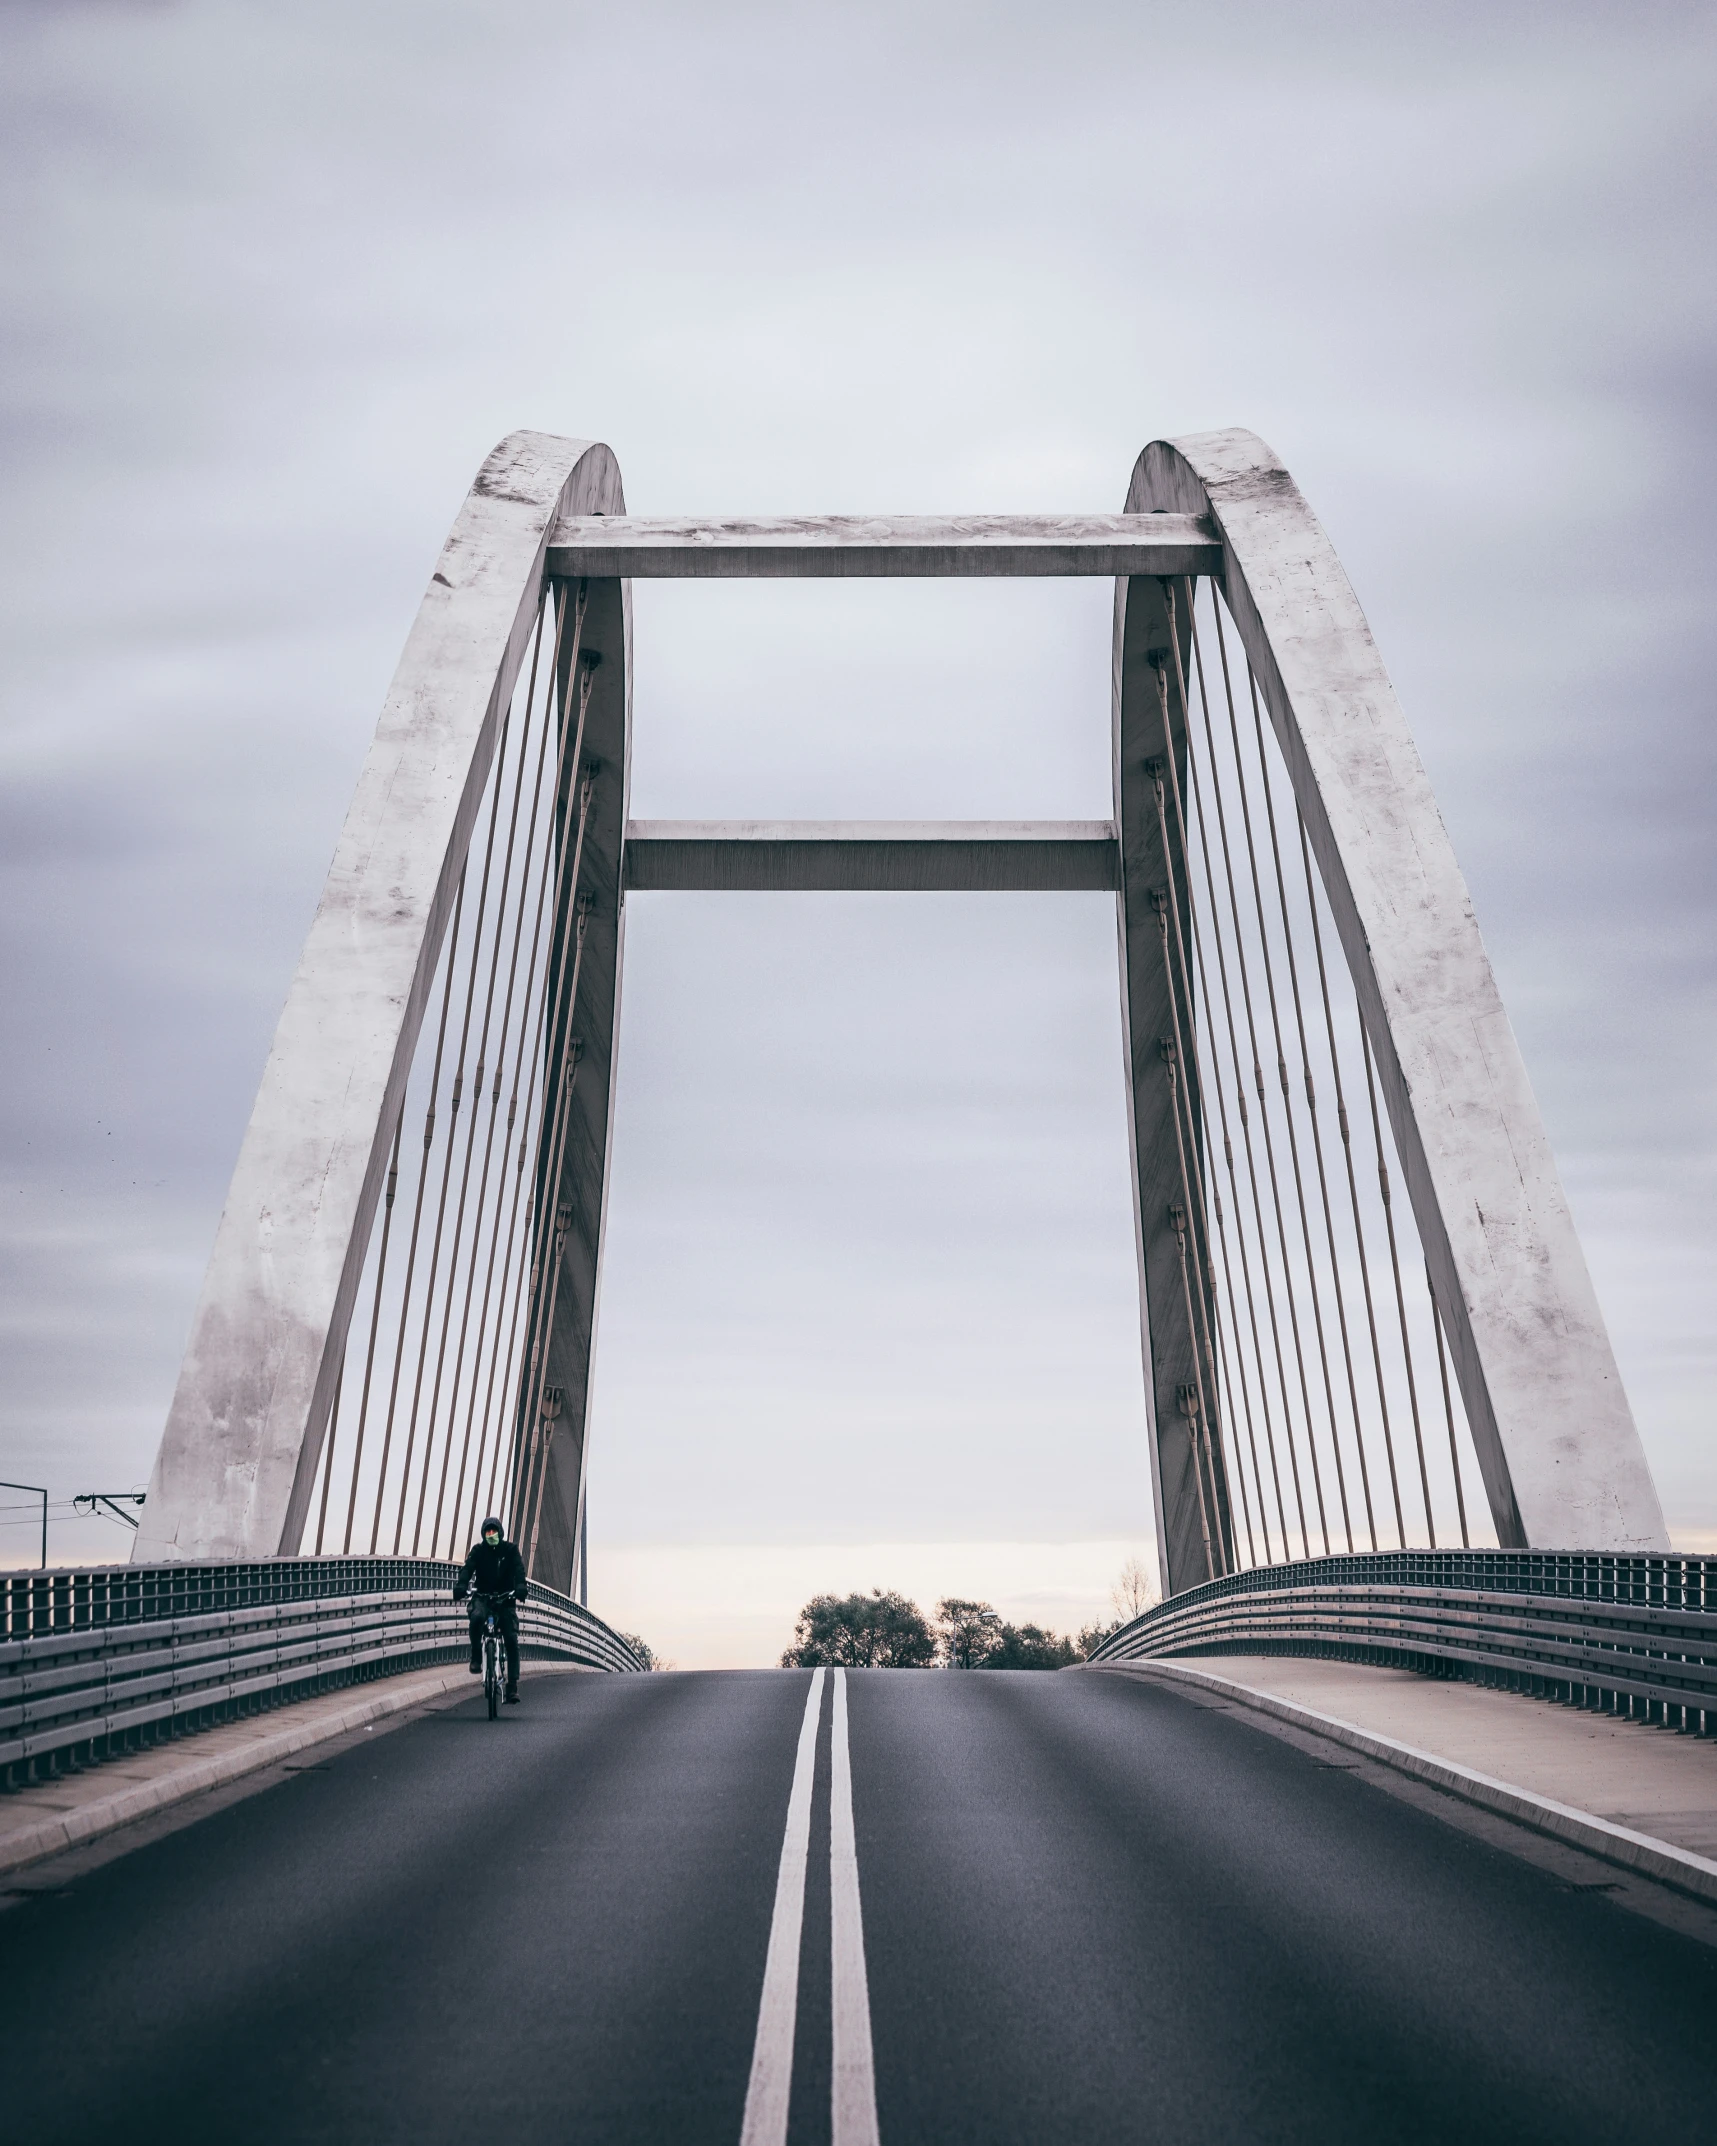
(1669, 1882)
(116, 1806)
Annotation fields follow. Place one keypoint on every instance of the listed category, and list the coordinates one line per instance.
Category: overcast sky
(276, 278)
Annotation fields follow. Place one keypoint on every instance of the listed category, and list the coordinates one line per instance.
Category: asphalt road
(1093, 1910)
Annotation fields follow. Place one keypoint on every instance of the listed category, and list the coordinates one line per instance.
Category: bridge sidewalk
(75, 1809)
(1641, 1796)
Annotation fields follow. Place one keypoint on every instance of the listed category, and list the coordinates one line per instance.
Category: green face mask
(491, 1538)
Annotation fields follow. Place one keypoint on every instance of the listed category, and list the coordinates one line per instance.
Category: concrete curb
(1659, 1859)
(73, 1829)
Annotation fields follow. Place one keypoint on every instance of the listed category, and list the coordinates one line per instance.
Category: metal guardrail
(95, 1663)
(1628, 1635)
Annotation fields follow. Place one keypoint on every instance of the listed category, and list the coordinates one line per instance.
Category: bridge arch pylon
(1555, 1439)
(236, 1468)
(466, 956)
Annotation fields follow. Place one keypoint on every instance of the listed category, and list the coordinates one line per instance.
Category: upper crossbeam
(853, 546)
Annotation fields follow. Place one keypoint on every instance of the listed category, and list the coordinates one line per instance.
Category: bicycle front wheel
(492, 1677)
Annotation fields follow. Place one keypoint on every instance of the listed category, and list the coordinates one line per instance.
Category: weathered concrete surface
(1562, 1461)
(238, 1455)
(888, 856)
(847, 546)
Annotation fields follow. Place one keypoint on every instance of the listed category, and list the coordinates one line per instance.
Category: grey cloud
(278, 278)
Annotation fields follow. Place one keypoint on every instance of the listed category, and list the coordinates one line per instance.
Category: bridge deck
(1084, 1897)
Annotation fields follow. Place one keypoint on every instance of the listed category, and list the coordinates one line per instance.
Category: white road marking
(772, 2054)
(852, 2097)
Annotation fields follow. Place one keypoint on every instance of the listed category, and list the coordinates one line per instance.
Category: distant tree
(968, 1631)
(1029, 1646)
(1134, 1592)
(974, 1636)
(644, 1651)
(874, 1631)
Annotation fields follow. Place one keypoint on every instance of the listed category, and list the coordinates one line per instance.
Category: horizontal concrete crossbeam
(846, 546)
(884, 856)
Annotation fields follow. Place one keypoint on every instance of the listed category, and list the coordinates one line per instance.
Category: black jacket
(496, 1571)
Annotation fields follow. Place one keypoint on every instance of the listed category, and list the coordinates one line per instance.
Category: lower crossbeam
(871, 856)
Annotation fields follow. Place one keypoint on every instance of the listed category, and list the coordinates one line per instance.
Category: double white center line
(852, 2098)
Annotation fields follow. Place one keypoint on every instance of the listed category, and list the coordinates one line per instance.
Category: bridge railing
(1628, 1635)
(95, 1663)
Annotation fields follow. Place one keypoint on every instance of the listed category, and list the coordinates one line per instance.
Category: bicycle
(494, 1673)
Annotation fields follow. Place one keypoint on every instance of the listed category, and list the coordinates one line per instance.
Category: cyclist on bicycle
(494, 1570)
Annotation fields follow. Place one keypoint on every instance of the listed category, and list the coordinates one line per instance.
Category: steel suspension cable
(1448, 1406)
(1207, 924)
(1200, 924)
(417, 1211)
(1228, 1353)
(457, 1096)
(1188, 1065)
(506, 1330)
(1232, 1327)
(1358, 1224)
(499, 934)
(498, 939)
(1241, 1106)
(546, 1293)
(328, 1455)
(1400, 1294)
(546, 1408)
(1196, 1397)
(495, 1104)
(554, 869)
(1173, 1052)
(516, 1292)
(516, 1297)
(1215, 931)
(1289, 1120)
(565, 878)
(556, 1114)
(1210, 1198)
(1317, 1137)
(1269, 1140)
(1166, 901)
(534, 1377)
(375, 1324)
